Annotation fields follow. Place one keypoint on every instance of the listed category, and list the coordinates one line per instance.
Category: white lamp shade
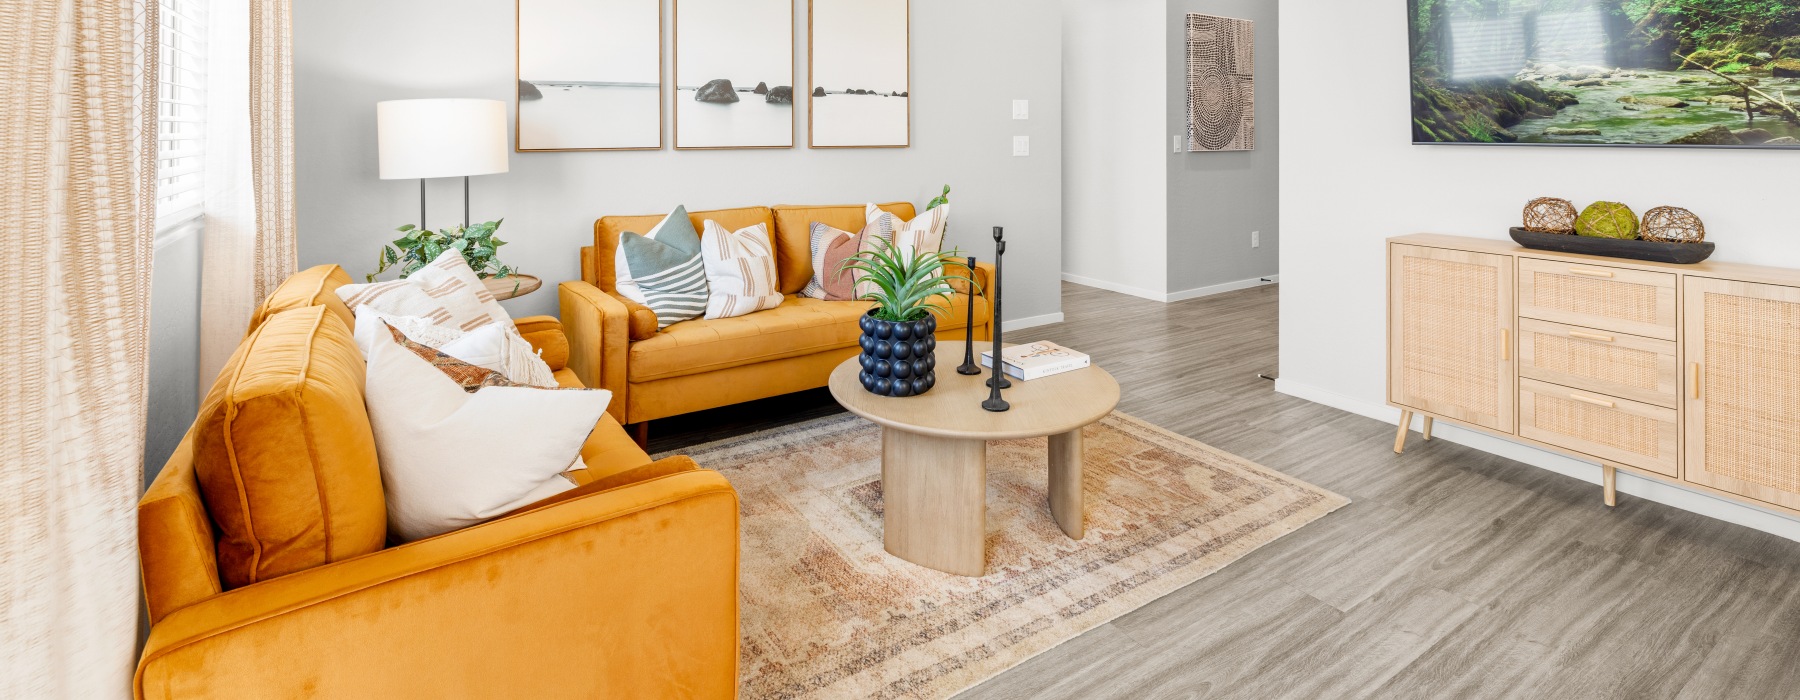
(441, 138)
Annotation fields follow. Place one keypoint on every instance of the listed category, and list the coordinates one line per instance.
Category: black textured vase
(899, 358)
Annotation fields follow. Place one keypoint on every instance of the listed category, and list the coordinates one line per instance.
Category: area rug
(827, 613)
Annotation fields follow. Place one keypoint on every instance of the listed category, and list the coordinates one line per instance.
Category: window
(181, 113)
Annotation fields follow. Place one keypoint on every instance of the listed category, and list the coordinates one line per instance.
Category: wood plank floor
(1454, 573)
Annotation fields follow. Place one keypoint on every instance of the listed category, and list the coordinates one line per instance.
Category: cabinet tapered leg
(1400, 436)
(1610, 475)
(1427, 430)
(1065, 482)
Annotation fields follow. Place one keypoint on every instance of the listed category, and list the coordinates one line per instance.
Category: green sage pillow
(668, 271)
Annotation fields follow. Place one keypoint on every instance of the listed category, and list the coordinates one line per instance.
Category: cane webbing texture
(1608, 363)
(1594, 297)
(1752, 390)
(1597, 424)
(1450, 342)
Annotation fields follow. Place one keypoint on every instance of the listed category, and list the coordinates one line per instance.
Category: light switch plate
(1021, 145)
(1175, 144)
(1021, 109)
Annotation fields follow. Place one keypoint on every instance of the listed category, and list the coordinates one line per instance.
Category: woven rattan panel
(1597, 424)
(1608, 363)
(1753, 390)
(1451, 345)
(1592, 297)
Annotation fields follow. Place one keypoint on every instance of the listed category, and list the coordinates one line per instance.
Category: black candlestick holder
(999, 381)
(969, 366)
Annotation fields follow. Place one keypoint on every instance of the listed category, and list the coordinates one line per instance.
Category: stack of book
(1037, 360)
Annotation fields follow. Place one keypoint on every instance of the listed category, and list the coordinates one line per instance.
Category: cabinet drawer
(1611, 428)
(1611, 363)
(1616, 299)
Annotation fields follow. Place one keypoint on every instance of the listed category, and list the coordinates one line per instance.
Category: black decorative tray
(1653, 251)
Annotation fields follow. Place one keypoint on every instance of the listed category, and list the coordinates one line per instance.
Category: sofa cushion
(284, 453)
(793, 235)
(608, 229)
(800, 326)
(310, 287)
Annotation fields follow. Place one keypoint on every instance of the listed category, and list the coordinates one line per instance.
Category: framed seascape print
(590, 75)
(1686, 74)
(1221, 81)
(859, 66)
(734, 74)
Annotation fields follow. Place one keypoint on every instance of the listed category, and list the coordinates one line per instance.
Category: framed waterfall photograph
(590, 75)
(858, 63)
(734, 74)
(1682, 74)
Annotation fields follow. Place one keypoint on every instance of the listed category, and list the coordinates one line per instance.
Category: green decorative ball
(1607, 220)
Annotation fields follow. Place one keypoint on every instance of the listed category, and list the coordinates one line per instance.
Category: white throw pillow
(740, 270)
(924, 233)
(451, 459)
(623, 281)
(447, 291)
(491, 346)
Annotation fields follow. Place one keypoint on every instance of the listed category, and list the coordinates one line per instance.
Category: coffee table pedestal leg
(934, 501)
(1065, 482)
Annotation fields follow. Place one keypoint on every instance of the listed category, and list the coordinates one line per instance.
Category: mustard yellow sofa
(624, 587)
(701, 364)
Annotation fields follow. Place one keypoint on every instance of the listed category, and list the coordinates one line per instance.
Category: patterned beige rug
(827, 613)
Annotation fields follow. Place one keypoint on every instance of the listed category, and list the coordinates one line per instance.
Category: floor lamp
(441, 138)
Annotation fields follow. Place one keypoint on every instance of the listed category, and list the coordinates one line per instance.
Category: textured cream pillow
(451, 459)
(740, 270)
(924, 233)
(491, 346)
(446, 291)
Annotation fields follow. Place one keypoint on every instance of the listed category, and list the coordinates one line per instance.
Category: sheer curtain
(250, 240)
(77, 83)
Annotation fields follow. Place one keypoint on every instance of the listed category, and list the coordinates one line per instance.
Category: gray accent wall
(969, 61)
(174, 345)
(1216, 199)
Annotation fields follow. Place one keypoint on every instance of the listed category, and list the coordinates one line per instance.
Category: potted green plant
(417, 247)
(899, 335)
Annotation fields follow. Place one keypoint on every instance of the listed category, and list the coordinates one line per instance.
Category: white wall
(969, 61)
(1115, 181)
(1350, 178)
(175, 385)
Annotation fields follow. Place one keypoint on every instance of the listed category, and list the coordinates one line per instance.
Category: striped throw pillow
(740, 270)
(823, 239)
(924, 233)
(668, 272)
(446, 291)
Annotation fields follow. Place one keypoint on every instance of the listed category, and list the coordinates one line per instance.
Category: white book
(1037, 360)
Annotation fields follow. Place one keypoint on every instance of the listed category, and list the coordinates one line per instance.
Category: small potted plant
(417, 247)
(899, 335)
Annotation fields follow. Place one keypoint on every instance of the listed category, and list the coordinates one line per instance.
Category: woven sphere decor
(1607, 220)
(1550, 215)
(1673, 225)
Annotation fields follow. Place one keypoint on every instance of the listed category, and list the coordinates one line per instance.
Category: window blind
(181, 112)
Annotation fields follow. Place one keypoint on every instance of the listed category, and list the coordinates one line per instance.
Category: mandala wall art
(1221, 83)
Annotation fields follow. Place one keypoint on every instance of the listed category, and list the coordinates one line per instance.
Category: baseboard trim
(1647, 489)
(1165, 298)
(1014, 324)
(1138, 292)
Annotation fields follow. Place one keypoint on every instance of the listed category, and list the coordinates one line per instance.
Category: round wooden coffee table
(934, 453)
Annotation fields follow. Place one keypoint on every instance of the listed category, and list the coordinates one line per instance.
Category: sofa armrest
(598, 329)
(545, 334)
(627, 593)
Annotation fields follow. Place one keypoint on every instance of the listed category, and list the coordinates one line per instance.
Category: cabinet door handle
(1588, 272)
(1694, 379)
(1505, 345)
(1594, 401)
(1591, 336)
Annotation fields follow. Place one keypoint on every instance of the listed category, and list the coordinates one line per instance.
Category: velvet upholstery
(314, 286)
(493, 610)
(701, 364)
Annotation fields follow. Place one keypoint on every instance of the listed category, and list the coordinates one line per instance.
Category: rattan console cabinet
(1684, 373)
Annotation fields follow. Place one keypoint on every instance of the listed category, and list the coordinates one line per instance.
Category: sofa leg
(640, 433)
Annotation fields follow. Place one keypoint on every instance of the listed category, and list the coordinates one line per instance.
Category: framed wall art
(859, 65)
(590, 75)
(734, 74)
(1221, 83)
